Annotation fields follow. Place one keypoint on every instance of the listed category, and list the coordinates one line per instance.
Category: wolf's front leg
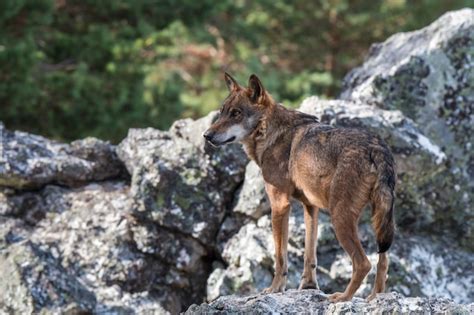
(308, 279)
(280, 204)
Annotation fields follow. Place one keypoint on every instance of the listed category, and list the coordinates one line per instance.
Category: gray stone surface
(31, 161)
(80, 257)
(115, 246)
(314, 302)
(252, 199)
(179, 181)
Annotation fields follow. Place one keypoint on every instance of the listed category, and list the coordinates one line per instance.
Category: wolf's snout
(208, 135)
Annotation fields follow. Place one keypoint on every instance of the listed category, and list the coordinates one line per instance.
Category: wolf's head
(240, 112)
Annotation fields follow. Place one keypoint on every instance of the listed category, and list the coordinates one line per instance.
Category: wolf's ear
(232, 85)
(256, 88)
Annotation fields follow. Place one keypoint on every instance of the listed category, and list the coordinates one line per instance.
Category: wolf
(338, 170)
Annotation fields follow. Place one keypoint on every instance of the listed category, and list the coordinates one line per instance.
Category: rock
(429, 75)
(229, 227)
(113, 246)
(315, 302)
(27, 265)
(417, 71)
(182, 189)
(184, 253)
(85, 255)
(30, 161)
(28, 206)
(180, 182)
(32, 206)
(252, 199)
(62, 263)
(12, 230)
(249, 257)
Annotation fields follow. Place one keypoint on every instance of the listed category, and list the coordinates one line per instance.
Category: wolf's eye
(235, 112)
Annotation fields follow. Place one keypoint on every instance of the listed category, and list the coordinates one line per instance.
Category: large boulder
(182, 189)
(315, 302)
(179, 181)
(81, 258)
(114, 246)
(31, 161)
(429, 75)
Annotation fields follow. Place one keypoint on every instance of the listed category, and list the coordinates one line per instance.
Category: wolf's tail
(383, 196)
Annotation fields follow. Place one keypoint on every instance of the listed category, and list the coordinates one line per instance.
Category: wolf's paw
(305, 284)
(371, 297)
(273, 289)
(278, 285)
(339, 297)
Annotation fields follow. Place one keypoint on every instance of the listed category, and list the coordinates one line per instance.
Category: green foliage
(74, 68)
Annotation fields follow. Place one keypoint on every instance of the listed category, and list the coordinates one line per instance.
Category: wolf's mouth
(229, 140)
(216, 144)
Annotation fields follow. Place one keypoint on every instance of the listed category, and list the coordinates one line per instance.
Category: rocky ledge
(315, 302)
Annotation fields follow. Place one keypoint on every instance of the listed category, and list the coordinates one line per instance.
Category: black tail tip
(383, 247)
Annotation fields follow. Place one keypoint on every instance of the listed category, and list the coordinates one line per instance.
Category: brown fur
(338, 169)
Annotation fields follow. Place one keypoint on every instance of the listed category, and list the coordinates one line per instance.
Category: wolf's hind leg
(308, 278)
(380, 277)
(345, 226)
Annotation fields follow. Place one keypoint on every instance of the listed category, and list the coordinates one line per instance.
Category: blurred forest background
(76, 68)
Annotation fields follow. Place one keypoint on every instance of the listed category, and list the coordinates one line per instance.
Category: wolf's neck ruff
(251, 143)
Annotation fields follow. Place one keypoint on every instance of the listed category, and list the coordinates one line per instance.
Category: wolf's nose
(208, 135)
